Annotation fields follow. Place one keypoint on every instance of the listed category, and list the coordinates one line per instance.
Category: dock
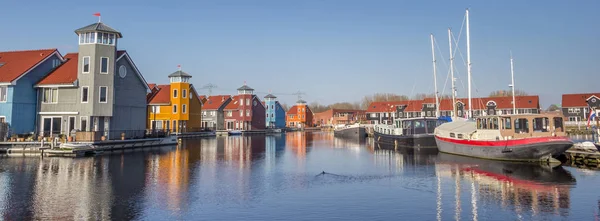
(582, 159)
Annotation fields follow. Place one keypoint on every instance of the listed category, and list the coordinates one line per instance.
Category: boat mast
(469, 64)
(452, 74)
(512, 85)
(437, 101)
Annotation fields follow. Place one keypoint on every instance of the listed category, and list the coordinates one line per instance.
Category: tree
(317, 108)
(553, 107)
(368, 99)
(508, 93)
(284, 106)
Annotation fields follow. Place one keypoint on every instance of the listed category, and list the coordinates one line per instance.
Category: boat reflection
(525, 188)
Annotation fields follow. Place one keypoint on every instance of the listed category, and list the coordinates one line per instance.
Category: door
(51, 126)
(71, 124)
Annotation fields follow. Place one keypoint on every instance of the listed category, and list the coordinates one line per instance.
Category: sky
(333, 50)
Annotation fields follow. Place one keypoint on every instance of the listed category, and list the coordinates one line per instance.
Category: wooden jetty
(582, 159)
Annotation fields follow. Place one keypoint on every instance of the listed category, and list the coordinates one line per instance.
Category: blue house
(19, 72)
(275, 114)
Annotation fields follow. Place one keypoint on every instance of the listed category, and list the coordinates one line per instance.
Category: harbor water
(292, 176)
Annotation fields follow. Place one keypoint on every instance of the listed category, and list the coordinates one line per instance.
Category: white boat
(234, 132)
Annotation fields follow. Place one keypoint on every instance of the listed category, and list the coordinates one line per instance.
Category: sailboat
(413, 132)
(513, 137)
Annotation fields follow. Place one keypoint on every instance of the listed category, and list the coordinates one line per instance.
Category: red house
(245, 111)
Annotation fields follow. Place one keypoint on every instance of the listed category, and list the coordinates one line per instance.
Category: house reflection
(525, 188)
(296, 143)
(404, 159)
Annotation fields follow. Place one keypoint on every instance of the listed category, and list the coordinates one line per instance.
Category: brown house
(333, 117)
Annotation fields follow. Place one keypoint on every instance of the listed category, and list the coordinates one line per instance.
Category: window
(521, 125)
(111, 39)
(429, 113)
(229, 113)
(540, 124)
(50, 95)
(84, 94)
(247, 101)
(86, 64)
(175, 93)
(183, 108)
(3, 95)
(271, 115)
(103, 94)
(577, 110)
(83, 123)
(241, 113)
(191, 95)
(506, 123)
(156, 109)
(558, 124)
(213, 113)
(452, 135)
(494, 123)
(272, 106)
(184, 93)
(55, 63)
(247, 112)
(104, 65)
(174, 108)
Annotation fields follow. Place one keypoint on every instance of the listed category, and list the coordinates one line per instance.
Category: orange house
(299, 115)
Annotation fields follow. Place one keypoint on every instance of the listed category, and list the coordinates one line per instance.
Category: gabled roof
(215, 102)
(414, 106)
(530, 102)
(151, 86)
(99, 26)
(385, 106)
(245, 87)
(180, 73)
(65, 74)
(577, 100)
(124, 54)
(234, 104)
(293, 110)
(163, 96)
(15, 64)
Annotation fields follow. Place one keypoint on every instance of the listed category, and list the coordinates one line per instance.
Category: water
(281, 178)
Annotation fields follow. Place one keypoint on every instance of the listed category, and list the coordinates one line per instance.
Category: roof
(293, 110)
(66, 73)
(180, 73)
(151, 86)
(414, 106)
(99, 26)
(385, 106)
(301, 101)
(163, 96)
(215, 102)
(245, 88)
(17, 63)
(577, 100)
(234, 104)
(531, 102)
(270, 96)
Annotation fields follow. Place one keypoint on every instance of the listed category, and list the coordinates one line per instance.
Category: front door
(51, 125)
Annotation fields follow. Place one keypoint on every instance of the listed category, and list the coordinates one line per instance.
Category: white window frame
(51, 95)
(155, 109)
(69, 129)
(107, 65)
(83, 65)
(87, 122)
(100, 95)
(3, 96)
(247, 112)
(51, 123)
(241, 113)
(175, 93)
(174, 108)
(184, 93)
(184, 108)
(247, 101)
(88, 94)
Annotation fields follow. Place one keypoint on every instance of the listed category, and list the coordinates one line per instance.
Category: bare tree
(508, 93)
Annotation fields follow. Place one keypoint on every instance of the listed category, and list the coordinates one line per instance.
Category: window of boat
(452, 135)
(484, 124)
(521, 125)
(506, 123)
(407, 124)
(419, 124)
(494, 123)
(540, 124)
(431, 125)
(479, 123)
(460, 136)
(558, 124)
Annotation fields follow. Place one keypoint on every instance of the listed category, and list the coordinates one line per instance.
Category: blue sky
(332, 50)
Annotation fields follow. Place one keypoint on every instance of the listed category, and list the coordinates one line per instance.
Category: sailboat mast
(452, 73)
(469, 64)
(437, 101)
(512, 85)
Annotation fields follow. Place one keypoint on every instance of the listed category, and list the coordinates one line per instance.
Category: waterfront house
(576, 107)
(213, 116)
(334, 117)
(275, 114)
(383, 112)
(245, 111)
(299, 115)
(19, 72)
(97, 90)
(176, 106)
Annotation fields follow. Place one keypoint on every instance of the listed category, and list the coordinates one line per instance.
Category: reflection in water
(261, 177)
(521, 187)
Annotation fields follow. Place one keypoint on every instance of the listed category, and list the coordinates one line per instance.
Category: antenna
(209, 86)
(299, 94)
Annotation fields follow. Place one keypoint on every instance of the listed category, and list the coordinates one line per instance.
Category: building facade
(245, 111)
(213, 115)
(383, 112)
(299, 116)
(19, 72)
(576, 107)
(334, 117)
(98, 89)
(275, 114)
(175, 107)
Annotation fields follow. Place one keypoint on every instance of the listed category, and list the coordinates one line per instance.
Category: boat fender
(553, 134)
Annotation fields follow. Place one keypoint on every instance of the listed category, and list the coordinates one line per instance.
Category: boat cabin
(523, 125)
(411, 126)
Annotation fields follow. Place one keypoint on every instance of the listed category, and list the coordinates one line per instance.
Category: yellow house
(175, 107)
